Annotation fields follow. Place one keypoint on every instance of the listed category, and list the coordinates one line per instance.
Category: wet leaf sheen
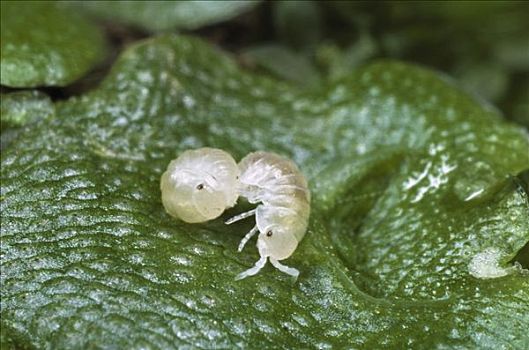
(44, 43)
(411, 179)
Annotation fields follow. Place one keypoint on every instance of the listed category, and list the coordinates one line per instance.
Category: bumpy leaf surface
(411, 179)
(22, 107)
(43, 43)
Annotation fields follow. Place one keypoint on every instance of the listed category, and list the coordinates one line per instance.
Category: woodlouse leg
(288, 270)
(246, 238)
(252, 271)
(240, 217)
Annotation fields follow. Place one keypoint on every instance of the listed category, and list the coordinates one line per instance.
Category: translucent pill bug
(200, 184)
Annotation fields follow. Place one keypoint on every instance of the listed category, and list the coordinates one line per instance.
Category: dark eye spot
(200, 186)
(269, 233)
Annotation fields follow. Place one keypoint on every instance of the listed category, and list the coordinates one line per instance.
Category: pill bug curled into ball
(200, 184)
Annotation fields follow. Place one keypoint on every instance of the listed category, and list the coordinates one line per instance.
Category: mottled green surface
(396, 158)
(167, 15)
(44, 44)
(22, 107)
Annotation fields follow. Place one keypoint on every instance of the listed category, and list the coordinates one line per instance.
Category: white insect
(200, 184)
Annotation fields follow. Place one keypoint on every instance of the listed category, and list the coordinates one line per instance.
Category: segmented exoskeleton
(200, 184)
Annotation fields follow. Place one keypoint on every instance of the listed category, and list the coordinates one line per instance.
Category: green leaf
(412, 180)
(298, 23)
(339, 63)
(21, 108)
(487, 80)
(518, 103)
(168, 15)
(44, 44)
(282, 62)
